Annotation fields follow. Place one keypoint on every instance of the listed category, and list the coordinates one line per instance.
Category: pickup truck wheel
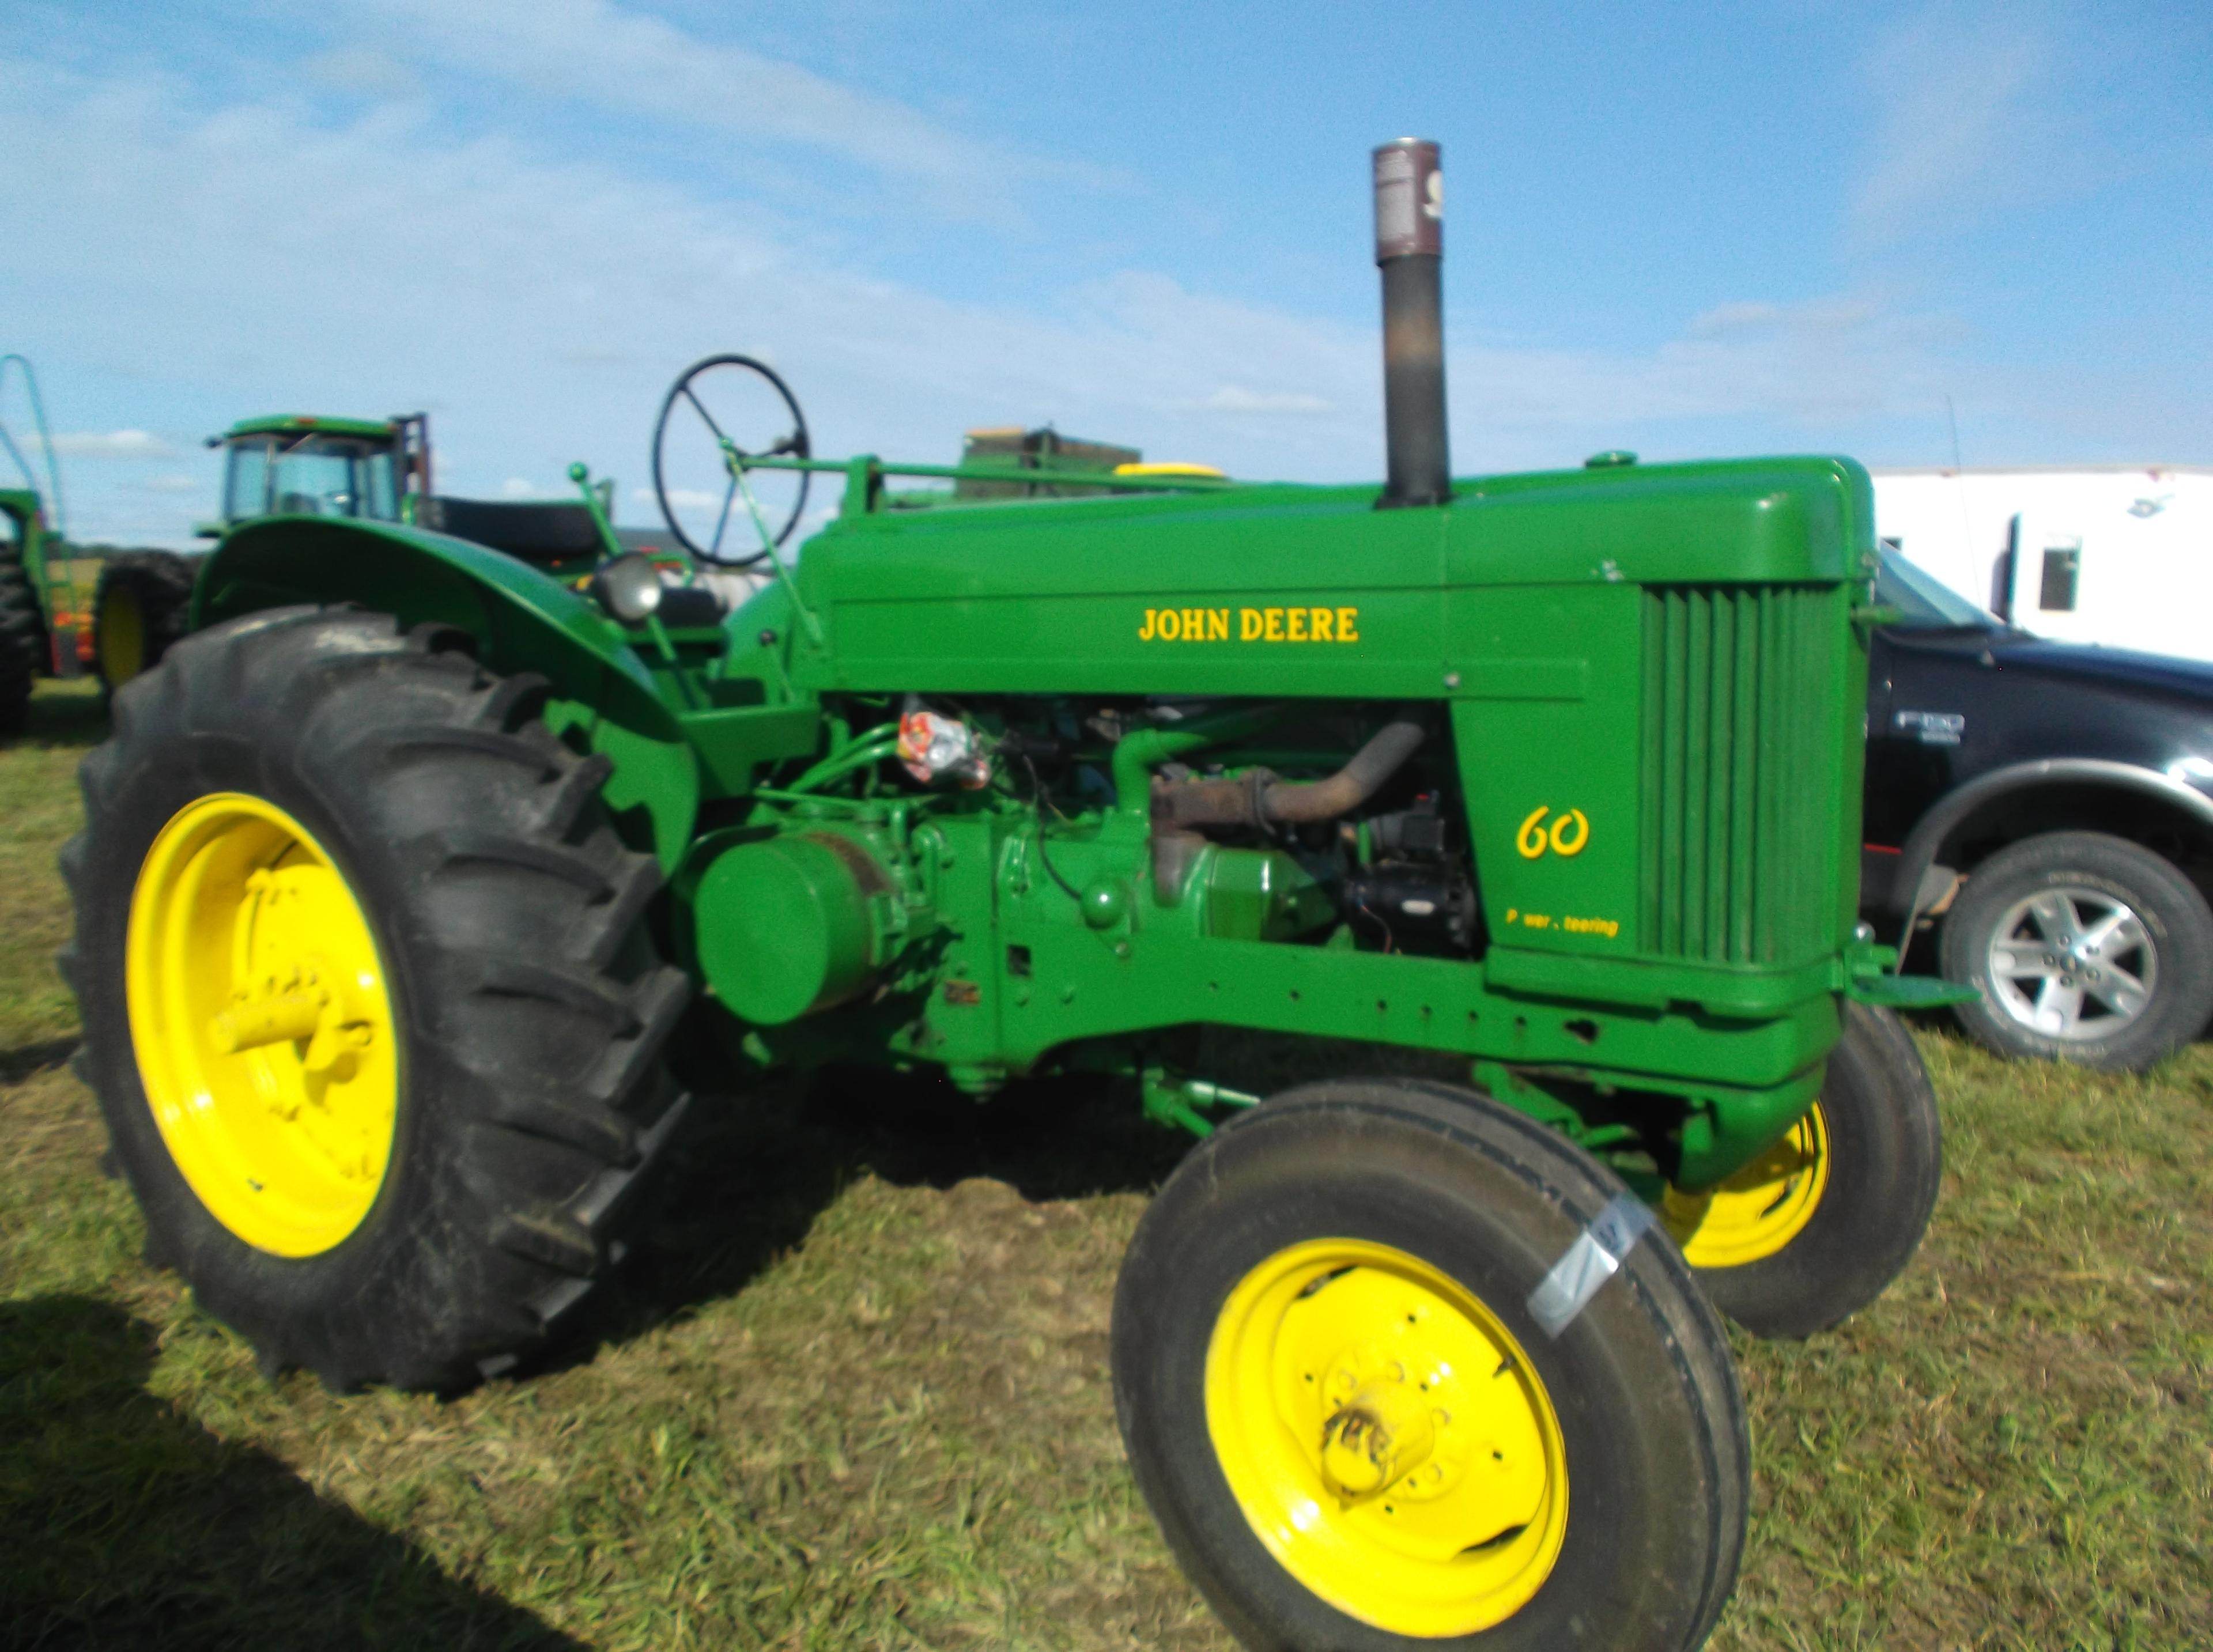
(2085, 947)
(1816, 1227)
(368, 1003)
(1356, 1431)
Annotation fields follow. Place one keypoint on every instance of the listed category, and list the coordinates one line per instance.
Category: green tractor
(70, 610)
(38, 635)
(42, 630)
(402, 871)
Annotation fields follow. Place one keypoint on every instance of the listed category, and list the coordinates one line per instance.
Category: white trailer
(2117, 554)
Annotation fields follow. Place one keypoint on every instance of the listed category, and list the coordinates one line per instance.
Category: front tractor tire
(1354, 1430)
(1817, 1227)
(368, 1003)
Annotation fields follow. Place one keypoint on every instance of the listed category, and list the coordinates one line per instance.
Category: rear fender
(521, 620)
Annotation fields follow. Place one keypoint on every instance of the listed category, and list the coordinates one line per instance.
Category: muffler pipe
(1260, 798)
(1409, 245)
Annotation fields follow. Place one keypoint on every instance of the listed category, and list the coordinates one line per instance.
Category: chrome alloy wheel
(2073, 963)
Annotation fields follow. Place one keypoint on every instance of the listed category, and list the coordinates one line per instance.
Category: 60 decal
(1568, 833)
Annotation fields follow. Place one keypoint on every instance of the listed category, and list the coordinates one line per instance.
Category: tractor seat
(534, 530)
(684, 607)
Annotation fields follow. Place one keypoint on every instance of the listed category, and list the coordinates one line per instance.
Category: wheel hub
(1392, 1429)
(1386, 1438)
(2072, 963)
(264, 1030)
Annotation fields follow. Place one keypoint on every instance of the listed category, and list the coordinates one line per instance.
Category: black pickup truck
(2046, 810)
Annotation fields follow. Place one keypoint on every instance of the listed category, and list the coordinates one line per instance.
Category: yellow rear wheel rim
(262, 1023)
(1757, 1212)
(1386, 1438)
(122, 637)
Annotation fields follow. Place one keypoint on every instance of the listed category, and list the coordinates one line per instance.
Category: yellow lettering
(1562, 842)
(1271, 621)
(1194, 625)
(1530, 840)
(1318, 622)
(1217, 624)
(1536, 920)
(1346, 619)
(1145, 630)
(1248, 625)
(1171, 624)
(1297, 633)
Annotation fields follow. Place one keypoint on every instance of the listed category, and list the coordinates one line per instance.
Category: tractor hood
(1207, 593)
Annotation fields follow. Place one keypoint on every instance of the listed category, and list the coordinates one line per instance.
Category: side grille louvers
(1739, 774)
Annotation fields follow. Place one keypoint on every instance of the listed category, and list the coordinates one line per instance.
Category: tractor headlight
(628, 588)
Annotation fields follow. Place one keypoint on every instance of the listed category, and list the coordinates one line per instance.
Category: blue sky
(1736, 227)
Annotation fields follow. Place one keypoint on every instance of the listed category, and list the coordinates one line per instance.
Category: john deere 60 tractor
(401, 870)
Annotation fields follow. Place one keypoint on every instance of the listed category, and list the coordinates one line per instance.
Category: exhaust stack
(1409, 245)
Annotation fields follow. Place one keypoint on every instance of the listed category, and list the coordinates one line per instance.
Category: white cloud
(1825, 362)
(516, 487)
(683, 498)
(173, 483)
(1236, 399)
(105, 444)
(364, 71)
(1961, 127)
(228, 249)
(617, 59)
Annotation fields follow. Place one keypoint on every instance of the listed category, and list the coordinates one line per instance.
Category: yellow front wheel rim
(1386, 1438)
(1761, 1209)
(122, 637)
(262, 1022)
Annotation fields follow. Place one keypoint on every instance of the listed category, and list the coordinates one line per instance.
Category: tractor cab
(300, 464)
(380, 470)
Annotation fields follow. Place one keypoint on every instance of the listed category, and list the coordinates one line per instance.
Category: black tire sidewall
(2169, 905)
(258, 1292)
(160, 583)
(1885, 1164)
(1452, 1187)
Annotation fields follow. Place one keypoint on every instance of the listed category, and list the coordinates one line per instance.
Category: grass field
(855, 1394)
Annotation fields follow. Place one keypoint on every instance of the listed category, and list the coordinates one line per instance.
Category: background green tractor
(1517, 815)
(68, 609)
(33, 627)
(41, 628)
(381, 471)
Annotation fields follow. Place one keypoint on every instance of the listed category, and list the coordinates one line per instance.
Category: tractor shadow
(28, 1060)
(123, 1523)
(754, 1171)
(62, 716)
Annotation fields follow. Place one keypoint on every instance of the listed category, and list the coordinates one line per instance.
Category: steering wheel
(733, 399)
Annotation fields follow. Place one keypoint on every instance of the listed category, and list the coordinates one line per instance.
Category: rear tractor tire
(1356, 1431)
(22, 638)
(368, 1003)
(1818, 1226)
(139, 610)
